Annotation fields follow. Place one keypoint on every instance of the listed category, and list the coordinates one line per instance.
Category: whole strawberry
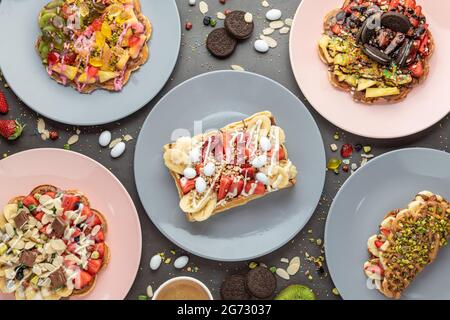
(10, 129)
(4, 108)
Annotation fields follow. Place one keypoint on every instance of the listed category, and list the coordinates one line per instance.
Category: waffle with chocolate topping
(52, 245)
(408, 241)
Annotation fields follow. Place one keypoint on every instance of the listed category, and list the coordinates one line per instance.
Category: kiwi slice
(296, 292)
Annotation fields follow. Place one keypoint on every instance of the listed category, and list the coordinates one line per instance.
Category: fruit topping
(224, 186)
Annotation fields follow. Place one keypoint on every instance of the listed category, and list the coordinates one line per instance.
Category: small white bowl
(201, 284)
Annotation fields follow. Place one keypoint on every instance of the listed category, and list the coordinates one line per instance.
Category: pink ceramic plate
(425, 105)
(21, 172)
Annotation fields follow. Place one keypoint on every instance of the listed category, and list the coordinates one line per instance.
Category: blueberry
(206, 20)
(77, 206)
(341, 16)
(19, 273)
(358, 147)
(77, 239)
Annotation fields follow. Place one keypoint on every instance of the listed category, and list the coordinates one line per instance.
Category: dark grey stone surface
(194, 59)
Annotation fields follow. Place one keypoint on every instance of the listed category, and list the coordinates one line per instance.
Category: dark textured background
(195, 60)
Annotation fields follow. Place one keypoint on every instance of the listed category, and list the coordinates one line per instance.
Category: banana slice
(206, 212)
(20, 295)
(176, 160)
(277, 135)
(279, 177)
(10, 211)
(30, 293)
(184, 144)
(65, 292)
(260, 124)
(187, 203)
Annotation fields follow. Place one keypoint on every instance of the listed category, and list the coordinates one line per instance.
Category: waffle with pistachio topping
(408, 241)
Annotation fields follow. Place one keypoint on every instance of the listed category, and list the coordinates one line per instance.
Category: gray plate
(261, 226)
(26, 75)
(385, 183)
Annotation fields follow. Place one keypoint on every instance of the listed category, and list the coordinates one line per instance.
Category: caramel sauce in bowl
(182, 288)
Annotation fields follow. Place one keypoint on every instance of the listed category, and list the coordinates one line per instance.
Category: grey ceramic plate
(26, 75)
(385, 183)
(261, 226)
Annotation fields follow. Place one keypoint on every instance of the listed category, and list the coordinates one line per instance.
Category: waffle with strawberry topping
(226, 168)
(93, 44)
(408, 241)
(52, 245)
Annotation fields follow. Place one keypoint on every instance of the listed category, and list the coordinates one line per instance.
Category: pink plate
(425, 105)
(23, 171)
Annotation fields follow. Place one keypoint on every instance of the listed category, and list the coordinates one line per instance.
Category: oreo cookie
(261, 282)
(220, 43)
(237, 26)
(233, 288)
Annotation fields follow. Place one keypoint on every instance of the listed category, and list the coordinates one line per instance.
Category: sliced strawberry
(375, 269)
(76, 233)
(248, 172)
(281, 154)
(224, 186)
(187, 185)
(39, 215)
(99, 237)
(393, 4)
(378, 243)
(418, 11)
(133, 41)
(30, 200)
(51, 194)
(86, 212)
(237, 187)
(385, 231)
(72, 247)
(93, 220)
(260, 188)
(423, 49)
(410, 4)
(92, 71)
(94, 266)
(97, 24)
(83, 279)
(53, 57)
(69, 263)
(336, 28)
(69, 202)
(69, 59)
(100, 248)
(198, 168)
(43, 229)
(417, 69)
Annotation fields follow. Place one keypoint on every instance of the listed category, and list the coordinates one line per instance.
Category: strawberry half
(83, 279)
(4, 108)
(224, 186)
(10, 129)
(94, 266)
